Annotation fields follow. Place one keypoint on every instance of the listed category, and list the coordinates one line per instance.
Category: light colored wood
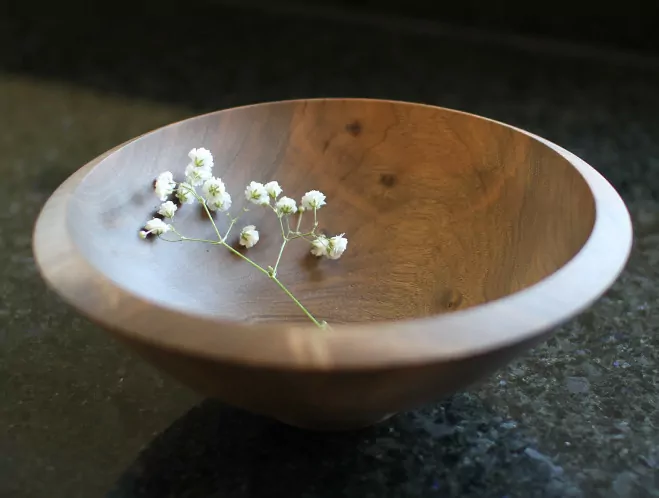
(469, 240)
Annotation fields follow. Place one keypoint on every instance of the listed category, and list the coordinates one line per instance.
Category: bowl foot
(333, 425)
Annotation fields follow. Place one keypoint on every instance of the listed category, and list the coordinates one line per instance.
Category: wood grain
(467, 238)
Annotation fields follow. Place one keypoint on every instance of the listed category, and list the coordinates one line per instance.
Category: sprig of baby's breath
(215, 198)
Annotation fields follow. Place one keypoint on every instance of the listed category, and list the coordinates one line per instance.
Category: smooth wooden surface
(442, 212)
(468, 239)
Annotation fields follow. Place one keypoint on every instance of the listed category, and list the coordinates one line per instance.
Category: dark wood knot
(450, 300)
(388, 179)
(354, 128)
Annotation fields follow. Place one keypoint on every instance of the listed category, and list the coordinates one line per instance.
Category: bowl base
(333, 425)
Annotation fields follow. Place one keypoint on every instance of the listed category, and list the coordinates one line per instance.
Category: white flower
(285, 206)
(156, 226)
(220, 202)
(185, 193)
(143, 234)
(332, 248)
(164, 185)
(195, 175)
(201, 158)
(319, 246)
(313, 200)
(249, 236)
(256, 193)
(213, 187)
(167, 209)
(273, 189)
(336, 247)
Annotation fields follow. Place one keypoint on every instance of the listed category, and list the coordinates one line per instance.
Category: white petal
(167, 209)
(201, 158)
(313, 200)
(337, 246)
(273, 189)
(213, 187)
(164, 185)
(249, 236)
(221, 202)
(319, 246)
(157, 226)
(286, 206)
(255, 192)
(184, 194)
(196, 176)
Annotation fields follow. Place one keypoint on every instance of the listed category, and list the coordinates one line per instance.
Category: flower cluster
(213, 197)
(331, 247)
(262, 195)
(155, 226)
(249, 236)
(200, 168)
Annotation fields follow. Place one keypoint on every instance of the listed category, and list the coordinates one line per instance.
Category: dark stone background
(630, 26)
(80, 416)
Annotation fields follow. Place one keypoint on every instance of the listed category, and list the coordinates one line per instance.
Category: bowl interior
(442, 210)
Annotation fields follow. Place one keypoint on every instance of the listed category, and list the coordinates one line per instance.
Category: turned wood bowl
(469, 241)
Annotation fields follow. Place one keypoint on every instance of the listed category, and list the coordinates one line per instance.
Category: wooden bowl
(469, 241)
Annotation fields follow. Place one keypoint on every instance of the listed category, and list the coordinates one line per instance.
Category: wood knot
(450, 300)
(388, 179)
(354, 128)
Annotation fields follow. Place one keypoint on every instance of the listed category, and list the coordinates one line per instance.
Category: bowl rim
(516, 318)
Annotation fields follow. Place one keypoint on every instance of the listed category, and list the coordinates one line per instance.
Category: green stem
(233, 222)
(306, 312)
(184, 238)
(238, 253)
(272, 275)
(169, 240)
(277, 281)
(288, 227)
(208, 213)
(301, 236)
(281, 251)
(210, 217)
(214, 242)
(281, 224)
(299, 222)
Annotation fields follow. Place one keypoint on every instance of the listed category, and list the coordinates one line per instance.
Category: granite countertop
(81, 416)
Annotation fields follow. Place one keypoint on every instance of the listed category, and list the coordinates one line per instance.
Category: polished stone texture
(81, 416)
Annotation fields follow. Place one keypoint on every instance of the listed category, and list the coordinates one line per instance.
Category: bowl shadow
(459, 447)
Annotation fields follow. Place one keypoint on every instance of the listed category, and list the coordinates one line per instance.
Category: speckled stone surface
(81, 416)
